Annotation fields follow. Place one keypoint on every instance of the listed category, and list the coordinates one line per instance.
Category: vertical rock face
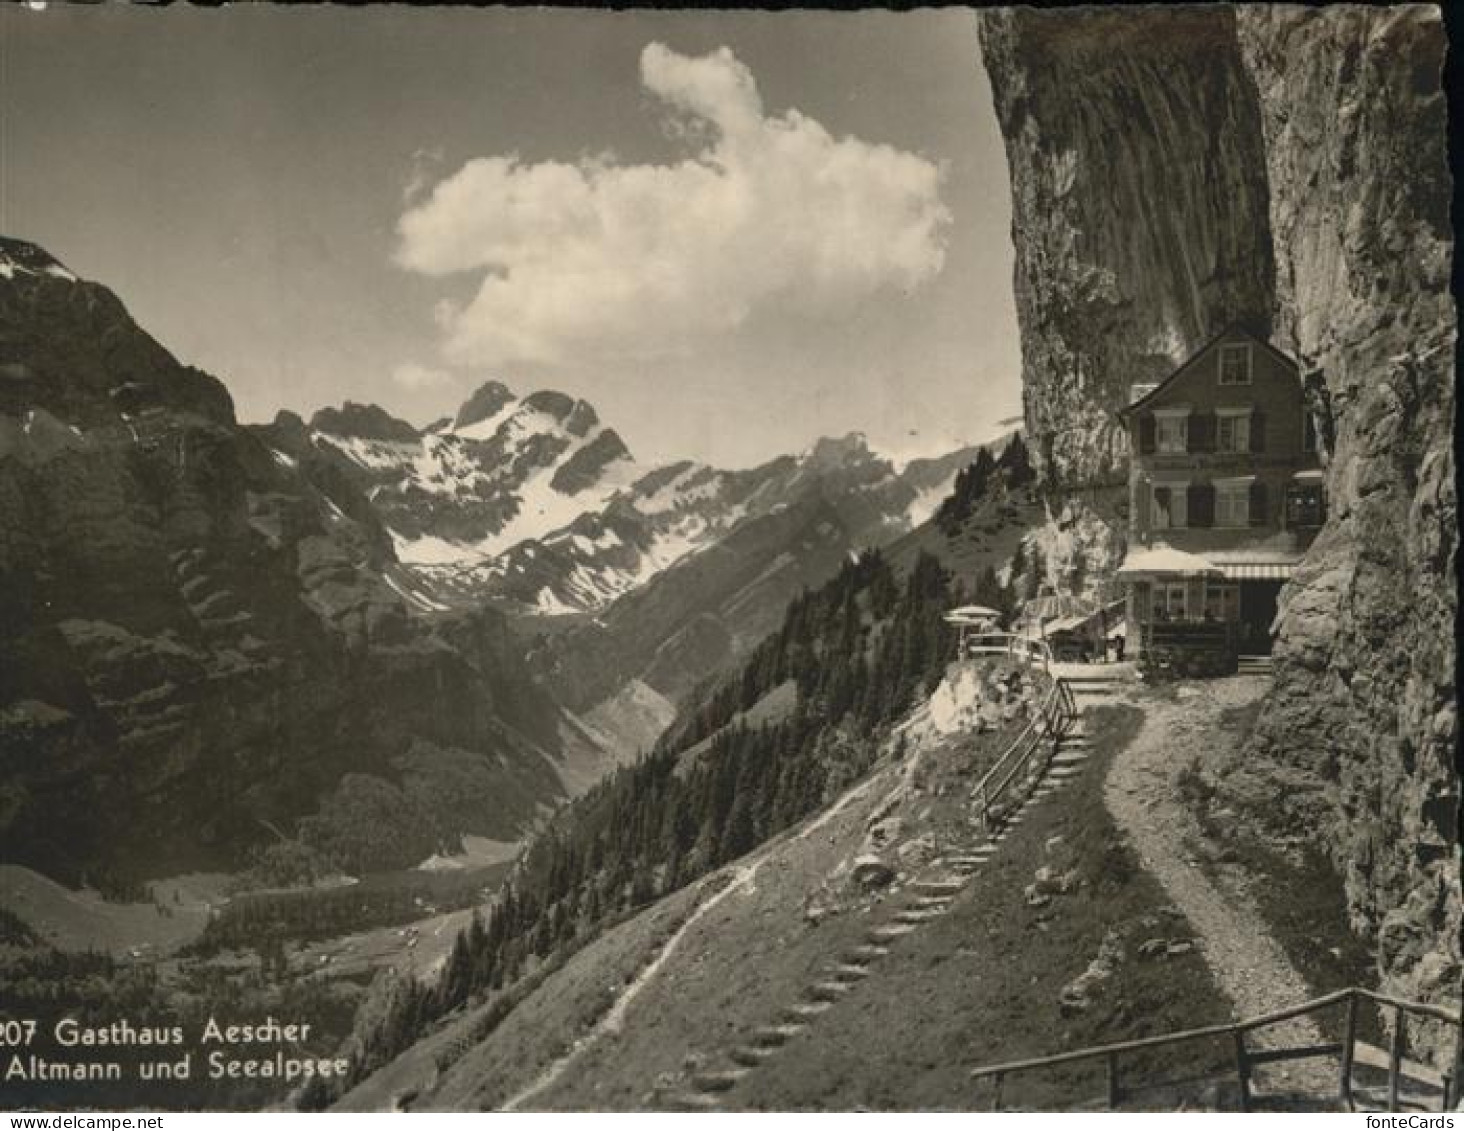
(1174, 171)
(1139, 209)
(1364, 703)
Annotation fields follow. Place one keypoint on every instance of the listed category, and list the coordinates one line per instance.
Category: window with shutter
(1232, 504)
(1172, 432)
(1258, 515)
(1257, 431)
(1232, 431)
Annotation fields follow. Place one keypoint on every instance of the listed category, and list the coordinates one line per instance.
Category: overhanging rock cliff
(1177, 170)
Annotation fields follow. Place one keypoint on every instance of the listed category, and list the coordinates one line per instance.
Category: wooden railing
(1350, 1049)
(1038, 740)
(1029, 649)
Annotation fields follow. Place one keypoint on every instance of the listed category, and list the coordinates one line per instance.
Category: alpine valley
(376, 637)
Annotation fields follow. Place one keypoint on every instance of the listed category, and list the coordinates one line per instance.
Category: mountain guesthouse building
(1225, 496)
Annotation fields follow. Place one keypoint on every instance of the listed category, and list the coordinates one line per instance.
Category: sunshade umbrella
(972, 614)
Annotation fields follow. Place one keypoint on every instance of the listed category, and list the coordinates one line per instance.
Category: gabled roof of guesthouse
(1231, 330)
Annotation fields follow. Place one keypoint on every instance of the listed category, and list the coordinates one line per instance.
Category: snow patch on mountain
(20, 257)
(927, 501)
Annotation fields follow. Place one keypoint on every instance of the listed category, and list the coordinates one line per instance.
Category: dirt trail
(1142, 794)
(743, 881)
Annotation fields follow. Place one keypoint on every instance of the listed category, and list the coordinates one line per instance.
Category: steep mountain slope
(865, 957)
(1174, 171)
(198, 644)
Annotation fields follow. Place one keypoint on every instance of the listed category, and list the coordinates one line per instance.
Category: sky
(730, 232)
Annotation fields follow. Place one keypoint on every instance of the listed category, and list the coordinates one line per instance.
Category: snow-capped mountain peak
(533, 501)
(21, 257)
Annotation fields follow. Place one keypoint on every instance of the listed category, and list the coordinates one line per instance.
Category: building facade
(1225, 473)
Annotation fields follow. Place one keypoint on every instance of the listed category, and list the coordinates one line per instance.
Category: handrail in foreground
(1246, 1058)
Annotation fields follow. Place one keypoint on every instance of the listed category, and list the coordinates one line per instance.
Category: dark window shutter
(1146, 434)
(1202, 432)
(1258, 504)
(1258, 431)
(1201, 504)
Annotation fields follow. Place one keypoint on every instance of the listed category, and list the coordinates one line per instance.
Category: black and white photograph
(686, 560)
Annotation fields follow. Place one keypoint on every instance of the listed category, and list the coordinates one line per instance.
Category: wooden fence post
(996, 1091)
(1395, 1057)
(1242, 1070)
(1349, 1038)
(1114, 1095)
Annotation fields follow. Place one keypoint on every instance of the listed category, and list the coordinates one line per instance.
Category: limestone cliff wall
(1364, 704)
(1176, 170)
(1139, 209)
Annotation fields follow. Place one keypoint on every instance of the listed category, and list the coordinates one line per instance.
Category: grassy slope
(976, 986)
(78, 920)
(980, 985)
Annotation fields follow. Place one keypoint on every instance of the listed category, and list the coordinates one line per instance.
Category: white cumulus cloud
(597, 257)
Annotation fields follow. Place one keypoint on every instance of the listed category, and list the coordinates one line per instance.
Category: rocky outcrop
(1177, 170)
(486, 402)
(364, 422)
(200, 633)
(1355, 126)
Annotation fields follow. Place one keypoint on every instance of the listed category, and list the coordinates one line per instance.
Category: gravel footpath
(1142, 793)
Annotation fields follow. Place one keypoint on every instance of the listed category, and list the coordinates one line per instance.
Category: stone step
(750, 1055)
(693, 1101)
(930, 902)
(828, 991)
(889, 932)
(720, 1080)
(803, 1011)
(937, 887)
(775, 1036)
(849, 972)
(866, 953)
(917, 917)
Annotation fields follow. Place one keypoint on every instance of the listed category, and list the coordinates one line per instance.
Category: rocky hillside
(1176, 171)
(203, 638)
(533, 503)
